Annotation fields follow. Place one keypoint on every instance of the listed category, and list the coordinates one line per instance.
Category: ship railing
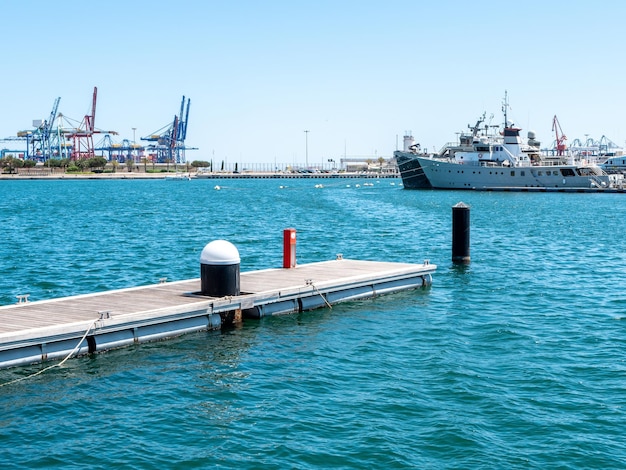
(551, 162)
(446, 146)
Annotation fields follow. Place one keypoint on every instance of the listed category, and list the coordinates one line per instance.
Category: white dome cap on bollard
(220, 253)
(219, 269)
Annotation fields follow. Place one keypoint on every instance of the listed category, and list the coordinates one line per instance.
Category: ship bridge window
(567, 172)
(512, 172)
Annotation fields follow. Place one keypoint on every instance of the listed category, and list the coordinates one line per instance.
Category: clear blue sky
(356, 74)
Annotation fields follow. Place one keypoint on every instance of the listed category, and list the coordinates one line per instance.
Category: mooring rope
(59, 364)
(309, 282)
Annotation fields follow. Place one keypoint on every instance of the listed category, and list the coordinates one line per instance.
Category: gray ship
(497, 160)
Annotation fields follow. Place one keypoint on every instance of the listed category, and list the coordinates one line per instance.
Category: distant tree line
(11, 164)
(87, 164)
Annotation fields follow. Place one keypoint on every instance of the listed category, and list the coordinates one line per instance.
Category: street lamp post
(306, 143)
(134, 150)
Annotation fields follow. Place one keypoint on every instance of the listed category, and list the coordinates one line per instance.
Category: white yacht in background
(615, 164)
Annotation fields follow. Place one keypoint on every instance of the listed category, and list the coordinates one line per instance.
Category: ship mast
(505, 106)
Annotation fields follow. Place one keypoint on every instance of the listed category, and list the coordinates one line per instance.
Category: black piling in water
(461, 233)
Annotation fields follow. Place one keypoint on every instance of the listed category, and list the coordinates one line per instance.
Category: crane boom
(170, 140)
(90, 120)
(174, 134)
(47, 127)
(53, 113)
(184, 134)
(182, 108)
(561, 146)
(83, 138)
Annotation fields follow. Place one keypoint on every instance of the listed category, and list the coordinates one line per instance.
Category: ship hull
(411, 171)
(449, 175)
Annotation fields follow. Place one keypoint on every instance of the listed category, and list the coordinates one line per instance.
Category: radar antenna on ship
(476, 127)
(505, 107)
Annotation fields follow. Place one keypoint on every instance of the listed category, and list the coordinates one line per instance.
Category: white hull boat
(498, 161)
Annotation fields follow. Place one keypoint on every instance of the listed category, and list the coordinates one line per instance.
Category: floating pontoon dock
(32, 332)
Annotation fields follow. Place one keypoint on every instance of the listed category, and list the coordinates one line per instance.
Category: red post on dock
(289, 248)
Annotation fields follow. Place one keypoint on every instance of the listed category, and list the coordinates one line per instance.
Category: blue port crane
(169, 141)
(116, 151)
(607, 146)
(39, 140)
(46, 135)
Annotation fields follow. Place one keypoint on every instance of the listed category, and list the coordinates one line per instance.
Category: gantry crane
(170, 140)
(561, 146)
(82, 137)
(46, 135)
(39, 139)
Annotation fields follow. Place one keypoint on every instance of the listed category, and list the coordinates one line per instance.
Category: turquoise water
(515, 361)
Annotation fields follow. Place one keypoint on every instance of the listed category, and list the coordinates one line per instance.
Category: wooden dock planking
(27, 324)
(319, 274)
(139, 299)
(86, 307)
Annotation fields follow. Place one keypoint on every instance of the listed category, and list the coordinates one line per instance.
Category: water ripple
(515, 361)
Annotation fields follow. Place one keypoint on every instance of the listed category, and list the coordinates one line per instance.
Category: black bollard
(461, 233)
